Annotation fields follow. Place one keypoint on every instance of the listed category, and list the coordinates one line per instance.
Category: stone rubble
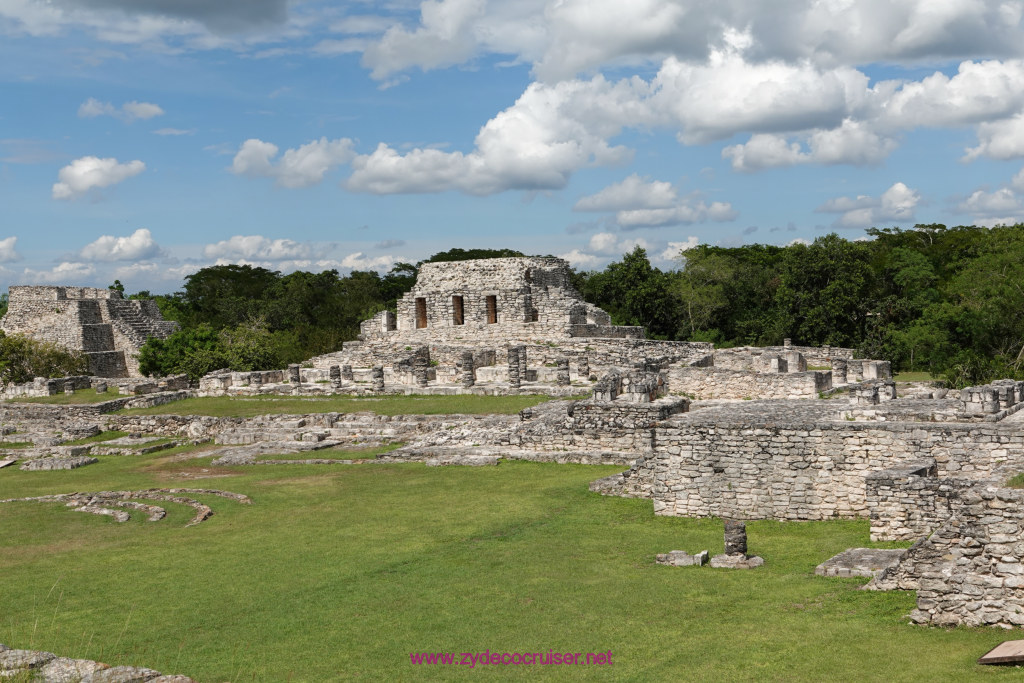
(47, 667)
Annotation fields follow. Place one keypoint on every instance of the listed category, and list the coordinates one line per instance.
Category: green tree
(825, 291)
(634, 293)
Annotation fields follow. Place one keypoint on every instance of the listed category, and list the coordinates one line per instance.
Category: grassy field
(915, 377)
(338, 573)
(382, 405)
(80, 397)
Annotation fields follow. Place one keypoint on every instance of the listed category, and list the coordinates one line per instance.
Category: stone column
(562, 372)
(69, 387)
(522, 363)
(795, 362)
(838, 371)
(101, 387)
(865, 394)
(377, 377)
(735, 537)
(514, 378)
(989, 400)
(256, 379)
(334, 373)
(787, 342)
(584, 369)
(346, 373)
(294, 374)
(421, 365)
(467, 377)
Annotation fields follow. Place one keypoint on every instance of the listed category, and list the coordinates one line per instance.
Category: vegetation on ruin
(22, 359)
(251, 406)
(339, 572)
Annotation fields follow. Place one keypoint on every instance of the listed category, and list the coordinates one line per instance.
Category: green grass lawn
(340, 573)
(915, 377)
(80, 397)
(223, 406)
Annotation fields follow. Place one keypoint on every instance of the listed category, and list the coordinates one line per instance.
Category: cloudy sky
(144, 139)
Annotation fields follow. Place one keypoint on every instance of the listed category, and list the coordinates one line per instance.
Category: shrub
(23, 358)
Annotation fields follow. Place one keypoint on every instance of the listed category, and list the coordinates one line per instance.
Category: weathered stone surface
(97, 502)
(18, 660)
(57, 463)
(681, 558)
(121, 674)
(737, 561)
(735, 537)
(66, 670)
(868, 562)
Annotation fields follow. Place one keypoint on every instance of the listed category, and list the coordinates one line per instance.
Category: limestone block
(681, 558)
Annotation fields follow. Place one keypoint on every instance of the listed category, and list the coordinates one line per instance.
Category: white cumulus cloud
(88, 173)
(7, 251)
(895, 204)
(642, 203)
(135, 247)
(64, 273)
(303, 166)
(258, 247)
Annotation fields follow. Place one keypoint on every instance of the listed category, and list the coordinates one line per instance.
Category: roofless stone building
(503, 299)
(109, 329)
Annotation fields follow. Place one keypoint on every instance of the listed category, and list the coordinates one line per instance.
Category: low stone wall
(42, 386)
(970, 571)
(910, 502)
(704, 383)
(711, 463)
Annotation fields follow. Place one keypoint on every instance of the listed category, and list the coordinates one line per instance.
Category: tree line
(949, 301)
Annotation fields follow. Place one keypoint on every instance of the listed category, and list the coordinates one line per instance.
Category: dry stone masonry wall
(108, 329)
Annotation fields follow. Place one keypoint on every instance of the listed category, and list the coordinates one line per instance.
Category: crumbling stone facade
(526, 299)
(108, 329)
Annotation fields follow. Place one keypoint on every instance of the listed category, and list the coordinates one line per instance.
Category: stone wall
(910, 502)
(716, 383)
(748, 357)
(793, 467)
(98, 322)
(969, 571)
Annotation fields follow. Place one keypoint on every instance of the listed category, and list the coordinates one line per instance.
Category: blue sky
(145, 139)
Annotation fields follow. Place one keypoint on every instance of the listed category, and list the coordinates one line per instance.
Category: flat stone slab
(57, 463)
(130, 441)
(463, 460)
(1007, 652)
(7, 461)
(869, 562)
(736, 561)
(681, 558)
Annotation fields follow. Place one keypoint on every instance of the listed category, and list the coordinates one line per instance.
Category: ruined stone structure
(109, 329)
(496, 300)
(491, 308)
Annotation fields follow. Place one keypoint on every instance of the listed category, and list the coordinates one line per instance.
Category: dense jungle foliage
(945, 300)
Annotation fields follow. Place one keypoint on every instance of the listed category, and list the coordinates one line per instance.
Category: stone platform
(868, 562)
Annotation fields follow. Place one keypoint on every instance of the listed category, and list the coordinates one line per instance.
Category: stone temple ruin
(783, 433)
(108, 329)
